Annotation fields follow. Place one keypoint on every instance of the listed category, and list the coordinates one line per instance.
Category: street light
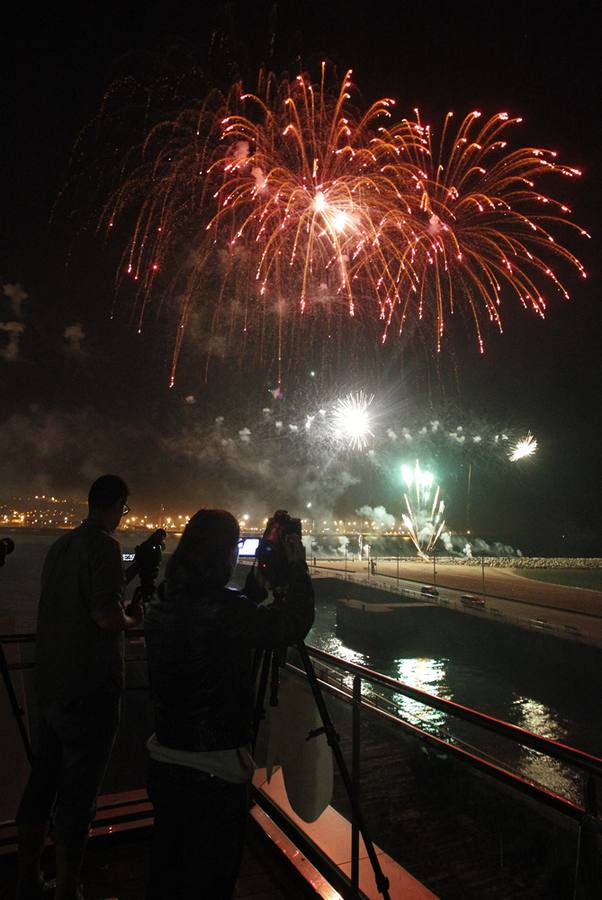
(483, 569)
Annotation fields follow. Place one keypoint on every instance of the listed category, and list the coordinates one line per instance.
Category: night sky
(98, 399)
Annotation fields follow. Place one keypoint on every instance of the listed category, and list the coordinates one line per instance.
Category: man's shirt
(82, 584)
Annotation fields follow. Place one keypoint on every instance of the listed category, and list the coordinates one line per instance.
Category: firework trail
(423, 519)
(262, 211)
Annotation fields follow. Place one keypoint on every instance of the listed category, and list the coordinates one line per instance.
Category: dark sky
(67, 413)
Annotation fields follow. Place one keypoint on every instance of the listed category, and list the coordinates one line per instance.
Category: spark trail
(423, 518)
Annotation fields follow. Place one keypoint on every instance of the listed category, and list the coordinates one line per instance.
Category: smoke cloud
(17, 295)
(377, 514)
(74, 335)
(14, 330)
(457, 545)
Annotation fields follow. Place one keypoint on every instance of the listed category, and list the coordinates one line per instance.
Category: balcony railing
(458, 822)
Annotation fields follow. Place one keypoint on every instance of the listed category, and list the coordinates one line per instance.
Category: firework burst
(351, 420)
(302, 184)
(279, 197)
(482, 227)
(261, 211)
(424, 516)
(524, 447)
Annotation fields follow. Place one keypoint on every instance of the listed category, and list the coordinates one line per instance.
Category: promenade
(569, 611)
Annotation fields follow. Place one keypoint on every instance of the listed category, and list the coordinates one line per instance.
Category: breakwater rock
(521, 562)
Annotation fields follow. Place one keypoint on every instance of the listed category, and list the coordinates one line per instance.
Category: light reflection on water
(552, 773)
(426, 675)
(472, 685)
(538, 718)
(335, 645)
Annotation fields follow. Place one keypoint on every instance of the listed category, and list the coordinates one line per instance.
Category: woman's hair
(204, 548)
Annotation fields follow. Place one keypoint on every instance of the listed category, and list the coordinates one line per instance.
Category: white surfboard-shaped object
(307, 767)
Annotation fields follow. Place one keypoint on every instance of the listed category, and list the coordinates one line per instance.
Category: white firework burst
(524, 447)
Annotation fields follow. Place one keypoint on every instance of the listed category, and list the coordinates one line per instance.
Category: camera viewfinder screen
(249, 547)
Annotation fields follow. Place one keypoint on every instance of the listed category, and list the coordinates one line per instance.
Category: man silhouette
(79, 680)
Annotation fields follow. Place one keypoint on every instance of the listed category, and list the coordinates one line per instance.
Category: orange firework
(274, 201)
(485, 227)
(303, 185)
(259, 211)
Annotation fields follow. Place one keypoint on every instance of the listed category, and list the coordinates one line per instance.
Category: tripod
(6, 547)
(271, 663)
(17, 709)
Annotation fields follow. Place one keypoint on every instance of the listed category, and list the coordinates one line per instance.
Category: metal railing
(585, 877)
(587, 864)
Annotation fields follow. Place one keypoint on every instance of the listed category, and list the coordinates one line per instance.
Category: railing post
(355, 779)
(587, 869)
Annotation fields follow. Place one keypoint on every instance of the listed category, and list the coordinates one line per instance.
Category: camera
(146, 562)
(148, 556)
(271, 553)
(6, 546)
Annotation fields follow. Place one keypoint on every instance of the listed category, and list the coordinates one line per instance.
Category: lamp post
(483, 569)
(468, 489)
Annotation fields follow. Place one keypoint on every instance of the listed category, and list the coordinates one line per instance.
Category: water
(555, 692)
(556, 695)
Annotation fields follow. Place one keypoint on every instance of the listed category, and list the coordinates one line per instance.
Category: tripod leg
(274, 680)
(259, 712)
(17, 711)
(382, 882)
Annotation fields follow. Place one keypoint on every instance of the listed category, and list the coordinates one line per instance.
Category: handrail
(497, 771)
(581, 759)
(572, 755)
(19, 638)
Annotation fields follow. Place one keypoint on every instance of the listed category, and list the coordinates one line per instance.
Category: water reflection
(538, 718)
(550, 773)
(476, 674)
(335, 645)
(426, 675)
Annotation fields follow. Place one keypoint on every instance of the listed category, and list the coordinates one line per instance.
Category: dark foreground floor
(116, 868)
